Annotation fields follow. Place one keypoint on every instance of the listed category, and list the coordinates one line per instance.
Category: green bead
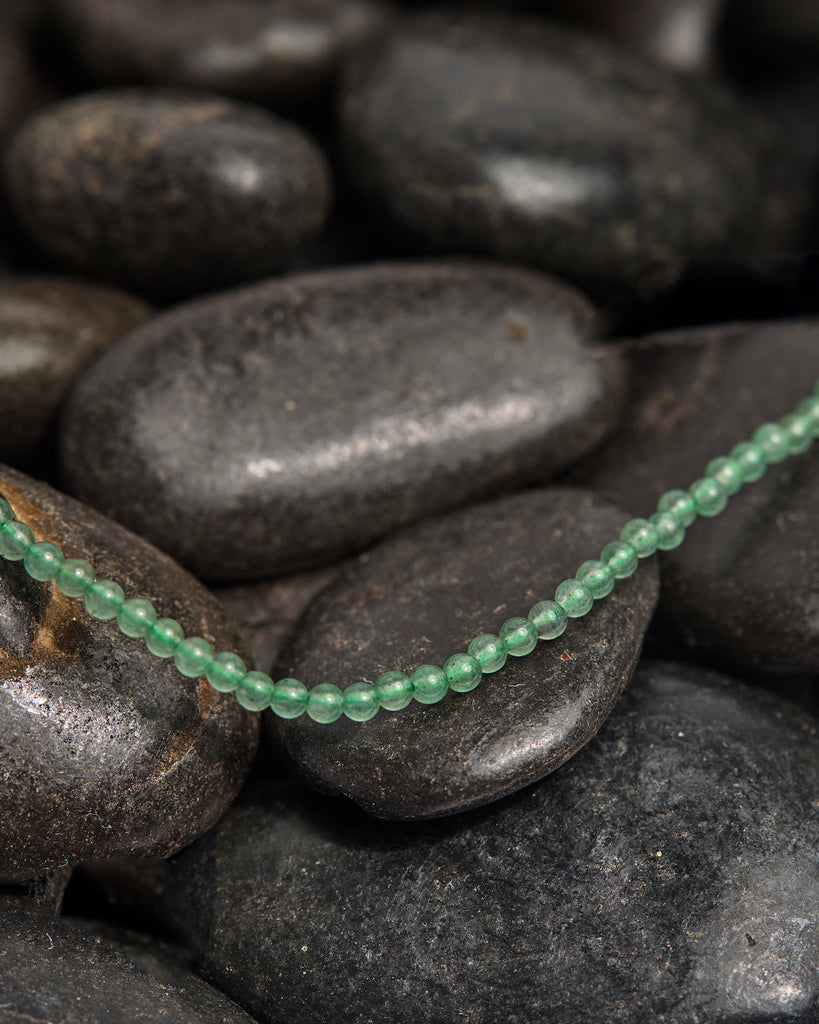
(597, 577)
(193, 656)
(74, 577)
(226, 672)
(774, 441)
(621, 558)
(799, 430)
(463, 672)
(136, 616)
(708, 496)
(429, 684)
(670, 531)
(103, 599)
(751, 460)
(727, 472)
(254, 691)
(394, 691)
(325, 703)
(489, 651)
(163, 637)
(641, 535)
(809, 408)
(549, 618)
(574, 598)
(361, 702)
(519, 636)
(15, 540)
(680, 504)
(6, 511)
(289, 698)
(43, 561)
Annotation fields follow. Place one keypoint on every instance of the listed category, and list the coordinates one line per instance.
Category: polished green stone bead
(361, 702)
(809, 408)
(799, 430)
(103, 599)
(489, 651)
(574, 598)
(325, 703)
(774, 441)
(549, 618)
(597, 577)
(621, 558)
(43, 561)
(74, 577)
(680, 504)
(641, 535)
(254, 691)
(519, 636)
(15, 540)
(163, 637)
(463, 672)
(193, 656)
(708, 496)
(6, 511)
(670, 531)
(226, 671)
(394, 690)
(136, 616)
(751, 460)
(727, 472)
(289, 698)
(429, 684)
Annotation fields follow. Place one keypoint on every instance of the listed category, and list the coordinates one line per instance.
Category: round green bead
(429, 684)
(254, 691)
(679, 504)
(519, 636)
(641, 535)
(574, 598)
(193, 656)
(103, 599)
(597, 577)
(394, 691)
(15, 540)
(163, 637)
(74, 577)
(361, 702)
(463, 672)
(670, 531)
(809, 408)
(774, 441)
(708, 496)
(621, 558)
(6, 511)
(799, 430)
(727, 472)
(325, 703)
(289, 698)
(136, 616)
(43, 561)
(489, 651)
(226, 672)
(751, 460)
(549, 619)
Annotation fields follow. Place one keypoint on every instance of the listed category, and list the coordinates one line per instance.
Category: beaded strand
(640, 538)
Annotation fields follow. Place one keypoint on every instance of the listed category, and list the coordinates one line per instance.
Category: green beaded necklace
(193, 656)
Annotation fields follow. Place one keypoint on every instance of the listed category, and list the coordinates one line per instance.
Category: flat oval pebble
(525, 140)
(50, 329)
(744, 586)
(165, 191)
(667, 874)
(276, 427)
(105, 749)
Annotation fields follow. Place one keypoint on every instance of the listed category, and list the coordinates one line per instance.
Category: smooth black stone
(60, 970)
(744, 586)
(423, 595)
(50, 329)
(522, 139)
(22, 89)
(165, 191)
(105, 749)
(665, 874)
(284, 425)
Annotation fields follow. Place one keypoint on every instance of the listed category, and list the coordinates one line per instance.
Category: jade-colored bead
(429, 684)
(574, 598)
(708, 496)
(463, 672)
(193, 656)
(549, 619)
(289, 698)
(774, 441)
(597, 577)
(727, 472)
(809, 408)
(621, 558)
(670, 531)
(361, 702)
(103, 599)
(74, 577)
(394, 691)
(136, 616)
(226, 672)
(751, 459)
(15, 540)
(43, 561)
(680, 504)
(325, 703)
(6, 511)
(799, 430)
(641, 535)
(519, 636)
(254, 691)
(489, 651)
(163, 637)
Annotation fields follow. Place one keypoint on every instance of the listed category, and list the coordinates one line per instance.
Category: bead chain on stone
(771, 443)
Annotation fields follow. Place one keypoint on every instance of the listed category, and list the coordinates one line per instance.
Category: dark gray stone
(50, 329)
(423, 595)
(744, 586)
(22, 90)
(522, 139)
(165, 191)
(105, 749)
(273, 428)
